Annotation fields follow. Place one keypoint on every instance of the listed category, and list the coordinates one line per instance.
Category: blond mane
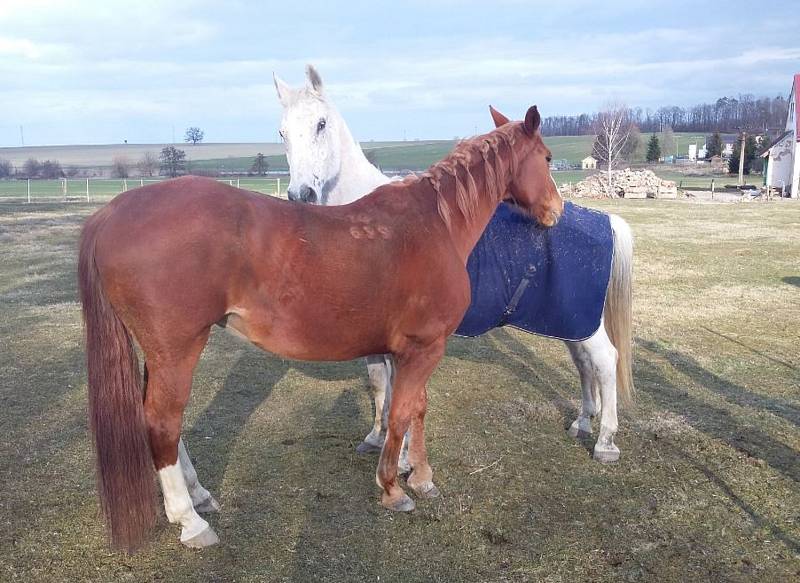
(486, 151)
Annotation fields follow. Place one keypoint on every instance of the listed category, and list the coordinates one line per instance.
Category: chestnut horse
(160, 265)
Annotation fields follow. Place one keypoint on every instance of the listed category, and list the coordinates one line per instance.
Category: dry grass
(707, 487)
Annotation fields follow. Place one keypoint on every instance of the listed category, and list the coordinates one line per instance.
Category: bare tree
(173, 161)
(634, 148)
(193, 135)
(613, 127)
(148, 165)
(120, 167)
(51, 169)
(31, 168)
(6, 169)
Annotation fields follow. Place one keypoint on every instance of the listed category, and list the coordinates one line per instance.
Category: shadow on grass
(758, 520)
(791, 280)
(710, 419)
(249, 383)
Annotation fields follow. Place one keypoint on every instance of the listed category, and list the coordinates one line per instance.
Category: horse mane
(493, 152)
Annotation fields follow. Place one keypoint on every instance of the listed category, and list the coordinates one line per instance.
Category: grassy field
(706, 489)
(392, 156)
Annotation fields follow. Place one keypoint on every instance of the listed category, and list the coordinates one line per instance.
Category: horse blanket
(550, 282)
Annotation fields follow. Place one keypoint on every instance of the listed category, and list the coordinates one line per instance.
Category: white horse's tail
(619, 306)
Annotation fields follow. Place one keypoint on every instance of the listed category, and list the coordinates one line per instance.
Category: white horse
(328, 167)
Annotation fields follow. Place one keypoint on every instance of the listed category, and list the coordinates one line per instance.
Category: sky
(104, 71)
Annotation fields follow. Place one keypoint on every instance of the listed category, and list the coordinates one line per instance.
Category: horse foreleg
(202, 500)
(380, 376)
(408, 404)
(421, 478)
(168, 387)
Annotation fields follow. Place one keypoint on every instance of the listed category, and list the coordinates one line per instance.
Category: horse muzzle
(304, 194)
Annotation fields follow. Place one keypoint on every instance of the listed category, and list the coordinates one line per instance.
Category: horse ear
(499, 118)
(314, 78)
(283, 90)
(532, 120)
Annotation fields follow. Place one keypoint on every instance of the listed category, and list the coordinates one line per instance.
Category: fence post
(279, 187)
(87, 190)
(141, 182)
(64, 188)
(29, 190)
(237, 183)
(124, 185)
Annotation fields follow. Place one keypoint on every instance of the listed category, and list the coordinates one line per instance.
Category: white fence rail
(102, 189)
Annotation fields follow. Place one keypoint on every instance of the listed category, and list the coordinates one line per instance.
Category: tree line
(170, 162)
(726, 114)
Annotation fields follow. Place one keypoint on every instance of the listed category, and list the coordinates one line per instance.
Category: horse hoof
(401, 504)
(426, 490)
(206, 538)
(365, 447)
(578, 433)
(207, 505)
(606, 456)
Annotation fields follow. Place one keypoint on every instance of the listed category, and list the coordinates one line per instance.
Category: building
(589, 163)
(782, 156)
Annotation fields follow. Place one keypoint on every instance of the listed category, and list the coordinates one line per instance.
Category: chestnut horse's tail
(116, 409)
(619, 307)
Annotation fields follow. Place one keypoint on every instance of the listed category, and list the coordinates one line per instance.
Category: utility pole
(21, 136)
(741, 161)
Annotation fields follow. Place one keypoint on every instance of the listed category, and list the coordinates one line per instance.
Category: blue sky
(101, 71)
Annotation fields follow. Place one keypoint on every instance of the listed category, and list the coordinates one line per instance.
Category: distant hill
(391, 156)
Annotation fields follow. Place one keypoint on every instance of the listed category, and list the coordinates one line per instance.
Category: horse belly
(307, 335)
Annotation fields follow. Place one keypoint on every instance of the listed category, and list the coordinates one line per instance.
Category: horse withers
(160, 265)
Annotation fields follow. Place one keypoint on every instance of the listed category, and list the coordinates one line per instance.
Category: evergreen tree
(653, 149)
(714, 146)
(749, 155)
(260, 165)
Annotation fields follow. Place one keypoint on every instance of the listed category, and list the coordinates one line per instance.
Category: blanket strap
(523, 285)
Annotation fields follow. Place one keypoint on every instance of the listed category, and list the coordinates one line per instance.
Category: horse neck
(357, 177)
(465, 232)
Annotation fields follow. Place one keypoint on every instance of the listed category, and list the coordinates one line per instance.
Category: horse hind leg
(202, 500)
(581, 355)
(168, 387)
(380, 375)
(603, 361)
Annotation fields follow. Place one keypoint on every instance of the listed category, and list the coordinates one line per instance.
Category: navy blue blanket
(546, 281)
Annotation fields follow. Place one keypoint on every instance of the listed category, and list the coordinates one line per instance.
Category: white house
(782, 157)
(589, 163)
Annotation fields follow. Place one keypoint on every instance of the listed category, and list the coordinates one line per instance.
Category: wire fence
(104, 189)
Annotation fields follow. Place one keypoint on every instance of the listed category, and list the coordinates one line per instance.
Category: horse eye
(320, 125)
(549, 158)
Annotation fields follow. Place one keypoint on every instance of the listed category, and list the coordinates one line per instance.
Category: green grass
(706, 489)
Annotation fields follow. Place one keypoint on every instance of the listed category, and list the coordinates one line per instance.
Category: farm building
(782, 157)
(589, 163)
